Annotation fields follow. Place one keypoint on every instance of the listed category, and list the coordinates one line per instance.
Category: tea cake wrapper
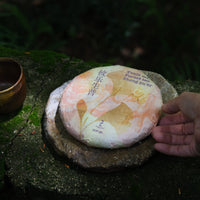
(110, 107)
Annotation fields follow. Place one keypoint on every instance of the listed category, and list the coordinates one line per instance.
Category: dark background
(161, 36)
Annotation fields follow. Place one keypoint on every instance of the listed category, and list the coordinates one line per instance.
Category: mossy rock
(35, 171)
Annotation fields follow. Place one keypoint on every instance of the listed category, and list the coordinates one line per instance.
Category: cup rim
(20, 77)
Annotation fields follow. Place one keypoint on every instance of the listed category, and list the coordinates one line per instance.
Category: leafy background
(161, 36)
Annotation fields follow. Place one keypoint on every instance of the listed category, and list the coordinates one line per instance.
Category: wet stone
(36, 171)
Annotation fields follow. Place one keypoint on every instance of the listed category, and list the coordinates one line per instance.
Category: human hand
(178, 132)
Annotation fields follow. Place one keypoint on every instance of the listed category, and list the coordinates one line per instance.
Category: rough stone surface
(103, 160)
(36, 172)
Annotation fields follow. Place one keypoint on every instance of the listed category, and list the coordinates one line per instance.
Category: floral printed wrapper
(110, 107)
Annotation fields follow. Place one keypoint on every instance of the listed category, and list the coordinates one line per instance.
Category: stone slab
(36, 172)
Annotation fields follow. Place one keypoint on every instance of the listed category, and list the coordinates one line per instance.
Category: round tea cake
(110, 107)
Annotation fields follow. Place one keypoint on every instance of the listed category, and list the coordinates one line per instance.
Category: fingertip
(153, 130)
(159, 137)
(162, 148)
(153, 133)
(157, 146)
(156, 129)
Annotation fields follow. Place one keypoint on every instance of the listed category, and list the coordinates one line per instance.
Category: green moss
(34, 117)
(7, 52)
(12, 124)
(17, 120)
(47, 59)
(26, 109)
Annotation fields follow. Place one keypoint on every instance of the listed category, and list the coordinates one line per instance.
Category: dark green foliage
(17, 29)
(167, 31)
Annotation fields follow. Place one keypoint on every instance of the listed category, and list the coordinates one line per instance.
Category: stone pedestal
(34, 169)
(98, 159)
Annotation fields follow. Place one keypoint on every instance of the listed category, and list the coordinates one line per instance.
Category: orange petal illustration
(81, 107)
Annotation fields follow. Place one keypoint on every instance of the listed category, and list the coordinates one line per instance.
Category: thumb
(188, 103)
(171, 106)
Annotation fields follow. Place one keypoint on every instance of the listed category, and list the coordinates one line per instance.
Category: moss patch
(7, 52)
(34, 117)
(12, 124)
(47, 59)
(26, 109)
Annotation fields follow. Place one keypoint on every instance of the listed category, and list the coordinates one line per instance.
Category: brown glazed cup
(12, 85)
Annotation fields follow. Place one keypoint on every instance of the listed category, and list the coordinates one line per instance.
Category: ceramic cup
(12, 85)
